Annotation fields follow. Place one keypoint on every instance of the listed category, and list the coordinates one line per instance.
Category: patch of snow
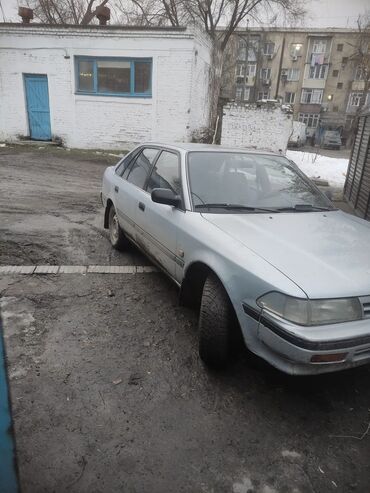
(243, 486)
(333, 170)
(291, 454)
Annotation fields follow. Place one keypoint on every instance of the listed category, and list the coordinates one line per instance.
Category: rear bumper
(296, 355)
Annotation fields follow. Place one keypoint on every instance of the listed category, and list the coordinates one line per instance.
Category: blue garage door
(37, 96)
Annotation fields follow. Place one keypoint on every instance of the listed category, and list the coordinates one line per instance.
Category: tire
(116, 235)
(216, 323)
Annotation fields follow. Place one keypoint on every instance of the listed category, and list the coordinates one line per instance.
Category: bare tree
(220, 19)
(141, 12)
(360, 58)
(66, 11)
(360, 61)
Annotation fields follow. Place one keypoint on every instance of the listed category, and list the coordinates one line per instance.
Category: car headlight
(311, 312)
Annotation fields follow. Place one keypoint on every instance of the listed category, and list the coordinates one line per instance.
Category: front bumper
(285, 347)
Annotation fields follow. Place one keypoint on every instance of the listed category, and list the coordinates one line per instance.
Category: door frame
(30, 76)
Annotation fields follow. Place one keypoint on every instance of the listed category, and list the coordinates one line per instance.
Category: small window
(166, 173)
(253, 48)
(114, 76)
(319, 46)
(290, 97)
(143, 75)
(340, 47)
(123, 165)
(86, 76)
(360, 73)
(335, 73)
(340, 85)
(251, 70)
(265, 73)
(264, 95)
(318, 72)
(335, 109)
(296, 49)
(310, 119)
(141, 167)
(239, 93)
(242, 50)
(268, 48)
(311, 96)
(240, 70)
(355, 98)
(345, 60)
(125, 162)
(293, 74)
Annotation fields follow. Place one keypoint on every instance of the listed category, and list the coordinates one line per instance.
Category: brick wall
(178, 105)
(258, 128)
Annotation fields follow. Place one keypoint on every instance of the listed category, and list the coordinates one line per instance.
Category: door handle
(141, 206)
(116, 189)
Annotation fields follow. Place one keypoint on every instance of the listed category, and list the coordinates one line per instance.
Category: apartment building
(310, 69)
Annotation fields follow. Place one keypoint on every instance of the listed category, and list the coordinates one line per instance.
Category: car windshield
(245, 182)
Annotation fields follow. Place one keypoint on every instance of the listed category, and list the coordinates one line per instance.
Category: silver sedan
(255, 246)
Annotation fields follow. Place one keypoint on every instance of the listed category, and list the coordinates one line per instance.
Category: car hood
(325, 254)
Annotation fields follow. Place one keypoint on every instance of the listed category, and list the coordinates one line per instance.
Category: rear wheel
(216, 324)
(116, 235)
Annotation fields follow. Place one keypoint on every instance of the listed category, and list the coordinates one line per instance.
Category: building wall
(178, 105)
(334, 107)
(256, 128)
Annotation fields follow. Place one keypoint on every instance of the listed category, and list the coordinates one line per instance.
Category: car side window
(125, 162)
(166, 173)
(141, 167)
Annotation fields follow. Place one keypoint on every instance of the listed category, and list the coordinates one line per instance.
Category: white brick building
(259, 127)
(102, 86)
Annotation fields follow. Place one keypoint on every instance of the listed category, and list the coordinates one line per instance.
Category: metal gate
(37, 97)
(357, 186)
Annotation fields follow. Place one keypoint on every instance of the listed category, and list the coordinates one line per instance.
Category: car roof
(191, 147)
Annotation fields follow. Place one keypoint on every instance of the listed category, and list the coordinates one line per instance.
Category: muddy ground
(107, 389)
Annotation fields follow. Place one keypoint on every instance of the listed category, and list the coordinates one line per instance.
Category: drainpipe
(280, 67)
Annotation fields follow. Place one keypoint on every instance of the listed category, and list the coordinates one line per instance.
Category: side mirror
(165, 196)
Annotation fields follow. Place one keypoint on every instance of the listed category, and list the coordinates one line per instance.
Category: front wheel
(116, 235)
(215, 324)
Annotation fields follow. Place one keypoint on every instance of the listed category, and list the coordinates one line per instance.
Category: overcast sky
(321, 13)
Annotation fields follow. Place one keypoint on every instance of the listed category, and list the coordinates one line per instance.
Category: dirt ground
(107, 389)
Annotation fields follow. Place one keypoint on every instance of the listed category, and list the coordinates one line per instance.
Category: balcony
(358, 85)
(309, 108)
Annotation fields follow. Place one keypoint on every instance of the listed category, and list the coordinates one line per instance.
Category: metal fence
(357, 185)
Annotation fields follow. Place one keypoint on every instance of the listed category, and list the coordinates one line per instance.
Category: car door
(127, 191)
(157, 223)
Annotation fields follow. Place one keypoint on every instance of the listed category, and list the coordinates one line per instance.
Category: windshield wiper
(305, 208)
(234, 206)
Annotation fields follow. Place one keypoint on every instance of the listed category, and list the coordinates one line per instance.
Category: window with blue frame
(114, 76)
